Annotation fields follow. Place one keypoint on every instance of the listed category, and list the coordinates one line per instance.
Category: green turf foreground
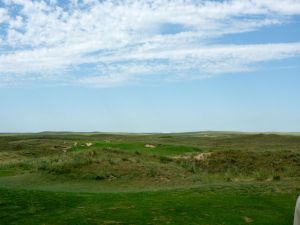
(217, 206)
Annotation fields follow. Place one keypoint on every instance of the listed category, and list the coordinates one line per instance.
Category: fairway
(188, 178)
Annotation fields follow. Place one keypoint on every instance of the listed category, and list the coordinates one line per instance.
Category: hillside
(102, 178)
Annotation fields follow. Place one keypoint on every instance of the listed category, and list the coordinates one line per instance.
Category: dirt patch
(182, 157)
(248, 220)
(202, 156)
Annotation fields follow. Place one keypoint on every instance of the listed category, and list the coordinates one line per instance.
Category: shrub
(137, 153)
(153, 172)
(260, 175)
(125, 159)
(102, 176)
(191, 166)
(164, 159)
(276, 177)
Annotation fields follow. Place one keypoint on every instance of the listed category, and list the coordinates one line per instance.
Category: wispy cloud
(104, 43)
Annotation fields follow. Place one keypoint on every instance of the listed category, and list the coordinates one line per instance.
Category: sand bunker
(150, 146)
(198, 157)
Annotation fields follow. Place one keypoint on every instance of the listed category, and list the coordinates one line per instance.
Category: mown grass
(227, 206)
(158, 149)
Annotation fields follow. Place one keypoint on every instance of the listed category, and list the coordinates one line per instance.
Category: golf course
(206, 178)
(149, 112)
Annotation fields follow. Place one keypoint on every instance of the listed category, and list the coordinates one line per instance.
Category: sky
(149, 65)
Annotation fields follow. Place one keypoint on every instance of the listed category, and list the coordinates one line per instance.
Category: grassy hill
(183, 178)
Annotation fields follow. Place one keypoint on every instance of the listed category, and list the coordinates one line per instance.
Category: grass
(159, 149)
(193, 206)
(186, 178)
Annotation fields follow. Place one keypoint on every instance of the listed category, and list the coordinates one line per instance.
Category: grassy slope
(248, 179)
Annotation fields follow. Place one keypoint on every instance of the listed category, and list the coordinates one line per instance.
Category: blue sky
(149, 66)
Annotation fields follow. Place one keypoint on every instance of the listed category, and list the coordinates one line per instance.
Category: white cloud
(193, 63)
(44, 37)
(16, 23)
(3, 15)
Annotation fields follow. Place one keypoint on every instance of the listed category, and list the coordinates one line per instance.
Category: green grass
(159, 149)
(194, 206)
(55, 178)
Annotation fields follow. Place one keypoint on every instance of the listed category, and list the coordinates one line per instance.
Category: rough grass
(247, 163)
